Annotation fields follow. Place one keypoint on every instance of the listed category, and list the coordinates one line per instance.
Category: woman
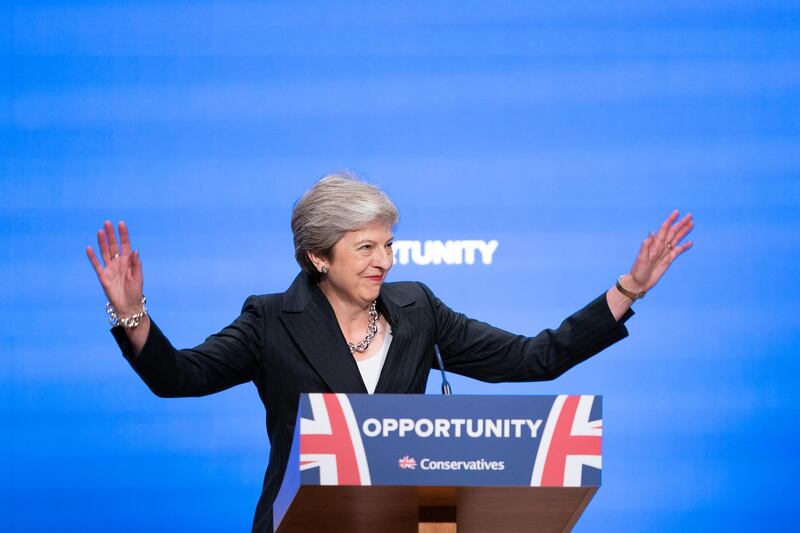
(340, 328)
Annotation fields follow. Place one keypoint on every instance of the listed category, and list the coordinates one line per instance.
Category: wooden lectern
(405, 463)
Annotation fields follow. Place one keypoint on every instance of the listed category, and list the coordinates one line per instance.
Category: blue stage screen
(565, 131)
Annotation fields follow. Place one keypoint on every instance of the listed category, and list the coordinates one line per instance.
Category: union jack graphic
(570, 441)
(407, 462)
(331, 441)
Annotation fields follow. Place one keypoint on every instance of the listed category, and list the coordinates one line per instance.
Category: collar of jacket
(311, 322)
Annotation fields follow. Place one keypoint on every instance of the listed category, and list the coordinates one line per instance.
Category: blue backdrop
(564, 131)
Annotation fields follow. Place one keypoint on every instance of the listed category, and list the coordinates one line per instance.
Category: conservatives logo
(407, 463)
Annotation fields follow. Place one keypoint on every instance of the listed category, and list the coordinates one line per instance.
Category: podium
(402, 463)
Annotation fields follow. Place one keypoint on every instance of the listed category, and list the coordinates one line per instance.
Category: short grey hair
(336, 204)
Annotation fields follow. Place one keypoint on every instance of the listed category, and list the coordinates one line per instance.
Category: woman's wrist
(127, 319)
(138, 336)
(628, 286)
(617, 302)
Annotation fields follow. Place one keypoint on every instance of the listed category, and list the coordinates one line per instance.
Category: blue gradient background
(564, 130)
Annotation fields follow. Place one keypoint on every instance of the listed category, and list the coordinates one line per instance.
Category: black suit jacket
(291, 343)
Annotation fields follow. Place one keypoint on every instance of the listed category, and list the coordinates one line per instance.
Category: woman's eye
(389, 245)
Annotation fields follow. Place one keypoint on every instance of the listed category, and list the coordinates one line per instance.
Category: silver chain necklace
(372, 329)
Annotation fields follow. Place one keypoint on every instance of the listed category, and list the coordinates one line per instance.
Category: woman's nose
(382, 259)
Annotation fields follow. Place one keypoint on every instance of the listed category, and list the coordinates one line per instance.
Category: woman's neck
(353, 319)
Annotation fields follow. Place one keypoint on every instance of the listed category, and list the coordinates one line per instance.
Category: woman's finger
(113, 248)
(94, 261)
(102, 243)
(137, 264)
(682, 248)
(682, 233)
(642, 259)
(682, 224)
(124, 240)
(644, 251)
(662, 231)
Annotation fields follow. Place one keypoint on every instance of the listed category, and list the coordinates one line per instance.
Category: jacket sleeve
(481, 351)
(225, 359)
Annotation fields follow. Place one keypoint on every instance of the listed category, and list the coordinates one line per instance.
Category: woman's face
(359, 263)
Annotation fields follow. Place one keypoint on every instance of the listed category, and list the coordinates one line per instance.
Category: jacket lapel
(397, 370)
(312, 324)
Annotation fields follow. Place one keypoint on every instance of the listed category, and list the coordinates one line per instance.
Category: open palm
(659, 250)
(121, 271)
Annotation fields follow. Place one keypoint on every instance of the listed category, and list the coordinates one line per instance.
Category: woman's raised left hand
(658, 251)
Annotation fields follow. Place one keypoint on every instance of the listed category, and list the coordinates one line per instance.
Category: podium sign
(359, 440)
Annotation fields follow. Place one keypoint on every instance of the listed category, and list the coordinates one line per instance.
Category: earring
(324, 270)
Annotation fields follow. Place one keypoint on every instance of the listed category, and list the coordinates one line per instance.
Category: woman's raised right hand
(121, 271)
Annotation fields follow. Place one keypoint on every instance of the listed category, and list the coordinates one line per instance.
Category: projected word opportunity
(444, 252)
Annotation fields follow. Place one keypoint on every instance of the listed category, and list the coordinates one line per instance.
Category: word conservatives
(501, 428)
(480, 464)
(447, 252)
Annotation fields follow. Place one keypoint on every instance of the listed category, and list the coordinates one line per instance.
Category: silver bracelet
(129, 322)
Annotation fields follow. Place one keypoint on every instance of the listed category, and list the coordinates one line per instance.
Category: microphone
(445, 385)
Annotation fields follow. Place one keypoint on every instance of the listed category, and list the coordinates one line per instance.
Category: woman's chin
(371, 294)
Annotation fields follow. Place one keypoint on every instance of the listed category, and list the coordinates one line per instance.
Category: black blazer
(291, 343)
